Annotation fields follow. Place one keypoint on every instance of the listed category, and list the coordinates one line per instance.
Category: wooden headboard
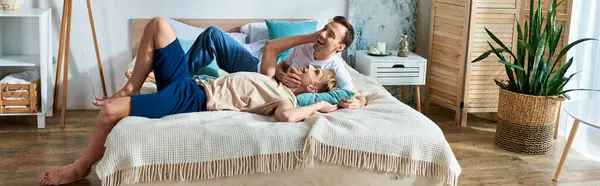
(229, 25)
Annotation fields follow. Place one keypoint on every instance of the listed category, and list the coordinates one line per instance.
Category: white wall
(112, 24)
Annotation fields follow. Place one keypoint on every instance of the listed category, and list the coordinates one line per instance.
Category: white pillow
(256, 31)
(185, 31)
(188, 32)
(321, 23)
(239, 37)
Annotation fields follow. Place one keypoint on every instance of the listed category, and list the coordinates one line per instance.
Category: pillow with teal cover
(280, 29)
(334, 97)
(212, 69)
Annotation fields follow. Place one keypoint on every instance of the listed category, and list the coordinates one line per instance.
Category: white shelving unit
(25, 43)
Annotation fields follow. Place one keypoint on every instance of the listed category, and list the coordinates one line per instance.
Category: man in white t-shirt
(320, 50)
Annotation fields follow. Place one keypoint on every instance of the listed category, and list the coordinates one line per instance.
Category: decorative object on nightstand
(379, 50)
(24, 49)
(63, 49)
(403, 46)
(394, 70)
(11, 5)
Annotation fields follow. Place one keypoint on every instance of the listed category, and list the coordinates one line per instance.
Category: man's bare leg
(157, 34)
(114, 110)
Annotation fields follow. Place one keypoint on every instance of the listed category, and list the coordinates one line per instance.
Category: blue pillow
(280, 29)
(334, 97)
(211, 69)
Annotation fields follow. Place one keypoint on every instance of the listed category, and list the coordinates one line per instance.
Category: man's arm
(287, 112)
(345, 81)
(357, 101)
(280, 70)
(272, 48)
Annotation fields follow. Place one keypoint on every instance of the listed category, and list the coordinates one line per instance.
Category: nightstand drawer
(399, 73)
(393, 70)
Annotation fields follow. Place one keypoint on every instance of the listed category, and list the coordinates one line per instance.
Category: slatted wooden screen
(498, 16)
(458, 36)
(448, 43)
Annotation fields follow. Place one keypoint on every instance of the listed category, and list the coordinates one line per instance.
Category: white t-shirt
(303, 55)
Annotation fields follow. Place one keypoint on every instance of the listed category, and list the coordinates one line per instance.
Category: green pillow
(280, 29)
(334, 97)
(211, 69)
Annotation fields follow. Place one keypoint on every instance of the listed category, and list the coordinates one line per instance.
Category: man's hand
(327, 107)
(290, 79)
(315, 35)
(351, 103)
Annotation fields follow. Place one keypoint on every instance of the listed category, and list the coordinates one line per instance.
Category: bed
(385, 143)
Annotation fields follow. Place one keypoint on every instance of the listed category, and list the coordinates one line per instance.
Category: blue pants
(173, 71)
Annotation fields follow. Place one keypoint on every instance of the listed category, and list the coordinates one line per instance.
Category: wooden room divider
(458, 36)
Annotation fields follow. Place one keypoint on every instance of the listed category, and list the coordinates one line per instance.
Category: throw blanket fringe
(378, 162)
(206, 170)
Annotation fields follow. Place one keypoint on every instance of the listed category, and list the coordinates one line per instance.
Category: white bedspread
(387, 136)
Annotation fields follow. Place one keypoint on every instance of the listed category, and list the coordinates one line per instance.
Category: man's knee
(214, 31)
(159, 23)
(113, 111)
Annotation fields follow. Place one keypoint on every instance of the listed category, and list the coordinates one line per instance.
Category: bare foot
(64, 175)
(100, 101)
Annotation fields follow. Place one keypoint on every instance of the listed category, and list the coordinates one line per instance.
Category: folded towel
(26, 77)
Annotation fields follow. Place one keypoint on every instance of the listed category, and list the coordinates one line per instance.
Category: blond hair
(327, 81)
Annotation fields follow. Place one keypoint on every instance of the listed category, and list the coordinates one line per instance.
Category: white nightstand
(394, 70)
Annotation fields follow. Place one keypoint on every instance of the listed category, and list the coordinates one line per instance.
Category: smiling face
(314, 80)
(330, 38)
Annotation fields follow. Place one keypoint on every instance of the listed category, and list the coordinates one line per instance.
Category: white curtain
(585, 22)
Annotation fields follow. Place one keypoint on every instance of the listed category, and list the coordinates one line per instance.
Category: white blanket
(386, 136)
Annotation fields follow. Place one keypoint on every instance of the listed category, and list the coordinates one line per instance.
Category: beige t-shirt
(247, 92)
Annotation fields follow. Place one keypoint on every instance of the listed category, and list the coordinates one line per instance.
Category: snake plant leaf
(567, 96)
(570, 45)
(506, 49)
(486, 54)
(553, 43)
(539, 54)
(526, 30)
(557, 82)
(531, 18)
(511, 65)
(559, 3)
(542, 76)
(509, 73)
(561, 83)
(519, 31)
(522, 76)
(563, 92)
(500, 84)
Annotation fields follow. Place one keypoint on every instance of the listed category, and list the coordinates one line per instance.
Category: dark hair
(349, 37)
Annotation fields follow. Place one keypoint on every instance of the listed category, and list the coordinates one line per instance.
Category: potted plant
(530, 98)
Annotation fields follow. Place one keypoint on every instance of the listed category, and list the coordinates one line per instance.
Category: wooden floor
(25, 151)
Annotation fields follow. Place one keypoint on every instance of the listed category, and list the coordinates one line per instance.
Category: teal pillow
(334, 97)
(212, 69)
(280, 29)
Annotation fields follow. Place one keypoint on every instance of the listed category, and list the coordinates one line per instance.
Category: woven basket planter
(525, 122)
